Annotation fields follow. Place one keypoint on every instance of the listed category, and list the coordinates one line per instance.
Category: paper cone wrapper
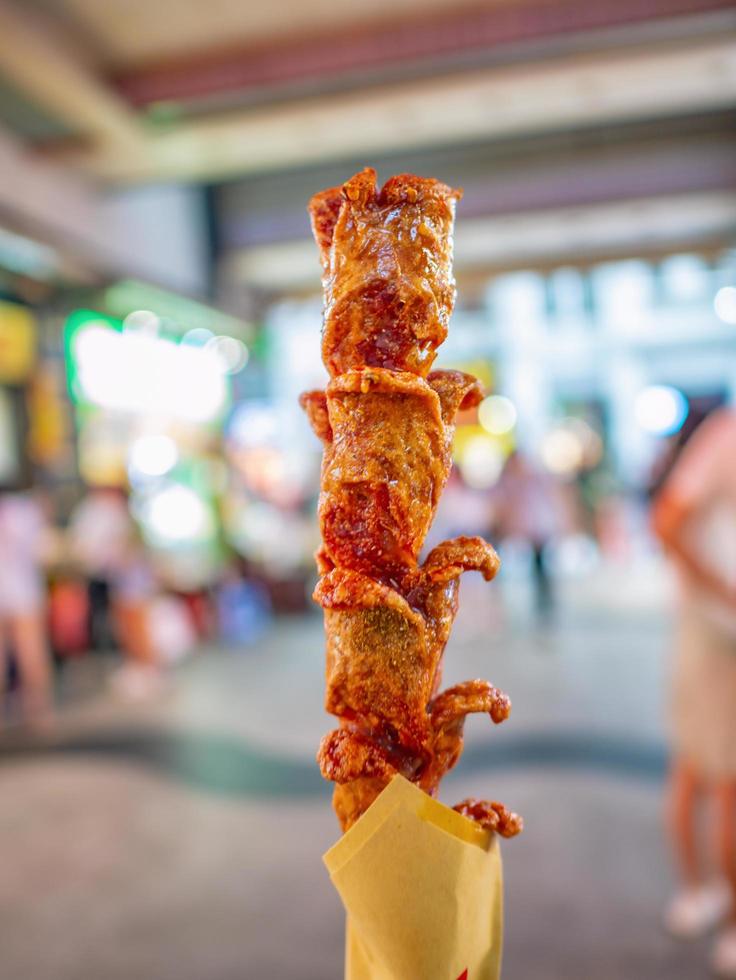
(423, 890)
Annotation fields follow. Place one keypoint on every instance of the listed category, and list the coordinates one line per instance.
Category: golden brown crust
(314, 404)
(384, 470)
(387, 262)
(351, 800)
(378, 668)
(434, 587)
(324, 209)
(451, 558)
(343, 588)
(384, 654)
(448, 712)
(363, 763)
(345, 756)
(457, 392)
(387, 423)
(492, 816)
(388, 442)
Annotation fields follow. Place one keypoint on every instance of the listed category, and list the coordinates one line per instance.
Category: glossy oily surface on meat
(387, 271)
(388, 440)
(386, 423)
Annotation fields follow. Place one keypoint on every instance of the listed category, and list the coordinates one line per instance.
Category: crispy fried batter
(457, 392)
(492, 815)
(383, 472)
(314, 404)
(448, 712)
(450, 708)
(434, 589)
(351, 800)
(451, 558)
(386, 423)
(324, 210)
(388, 440)
(378, 667)
(361, 766)
(384, 652)
(345, 755)
(387, 262)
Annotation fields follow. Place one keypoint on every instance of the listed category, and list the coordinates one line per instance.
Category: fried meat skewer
(384, 657)
(383, 653)
(362, 765)
(388, 441)
(386, 422)
(493, 816)
(387, 271)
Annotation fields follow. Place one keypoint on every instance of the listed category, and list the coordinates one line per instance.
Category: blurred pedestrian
(695, 517)
(107, 544)
(527, 505)
(100, 528)
(22, 602)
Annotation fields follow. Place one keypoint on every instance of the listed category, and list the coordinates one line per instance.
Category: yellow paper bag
(422, 887)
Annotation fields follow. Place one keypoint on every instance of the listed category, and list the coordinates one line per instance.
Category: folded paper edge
(451, 822)
(364, 828)
(401, 792)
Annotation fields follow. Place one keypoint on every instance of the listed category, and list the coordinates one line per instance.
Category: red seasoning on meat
(386, 422)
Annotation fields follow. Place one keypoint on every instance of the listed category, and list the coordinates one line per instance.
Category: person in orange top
(695, 518)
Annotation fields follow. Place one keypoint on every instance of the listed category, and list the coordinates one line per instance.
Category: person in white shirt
(22, 602)
(695, 517)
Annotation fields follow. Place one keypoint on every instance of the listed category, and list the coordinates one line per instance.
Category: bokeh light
(176, 514)
(199, 337)
(152, 455)
(660, 410)
(725, 304)
(497, 415)
(590, 440)
(253, 423)
(231, 353)
(144, 321)
(481, 462)
(139, 373)
(563, 451)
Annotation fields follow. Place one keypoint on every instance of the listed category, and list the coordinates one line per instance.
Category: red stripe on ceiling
(465, 31)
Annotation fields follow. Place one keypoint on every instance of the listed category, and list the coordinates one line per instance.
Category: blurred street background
(161, 812)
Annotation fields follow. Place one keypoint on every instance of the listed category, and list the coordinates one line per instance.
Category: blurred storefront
(150, 399)
(591, 369)
(17, 360)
